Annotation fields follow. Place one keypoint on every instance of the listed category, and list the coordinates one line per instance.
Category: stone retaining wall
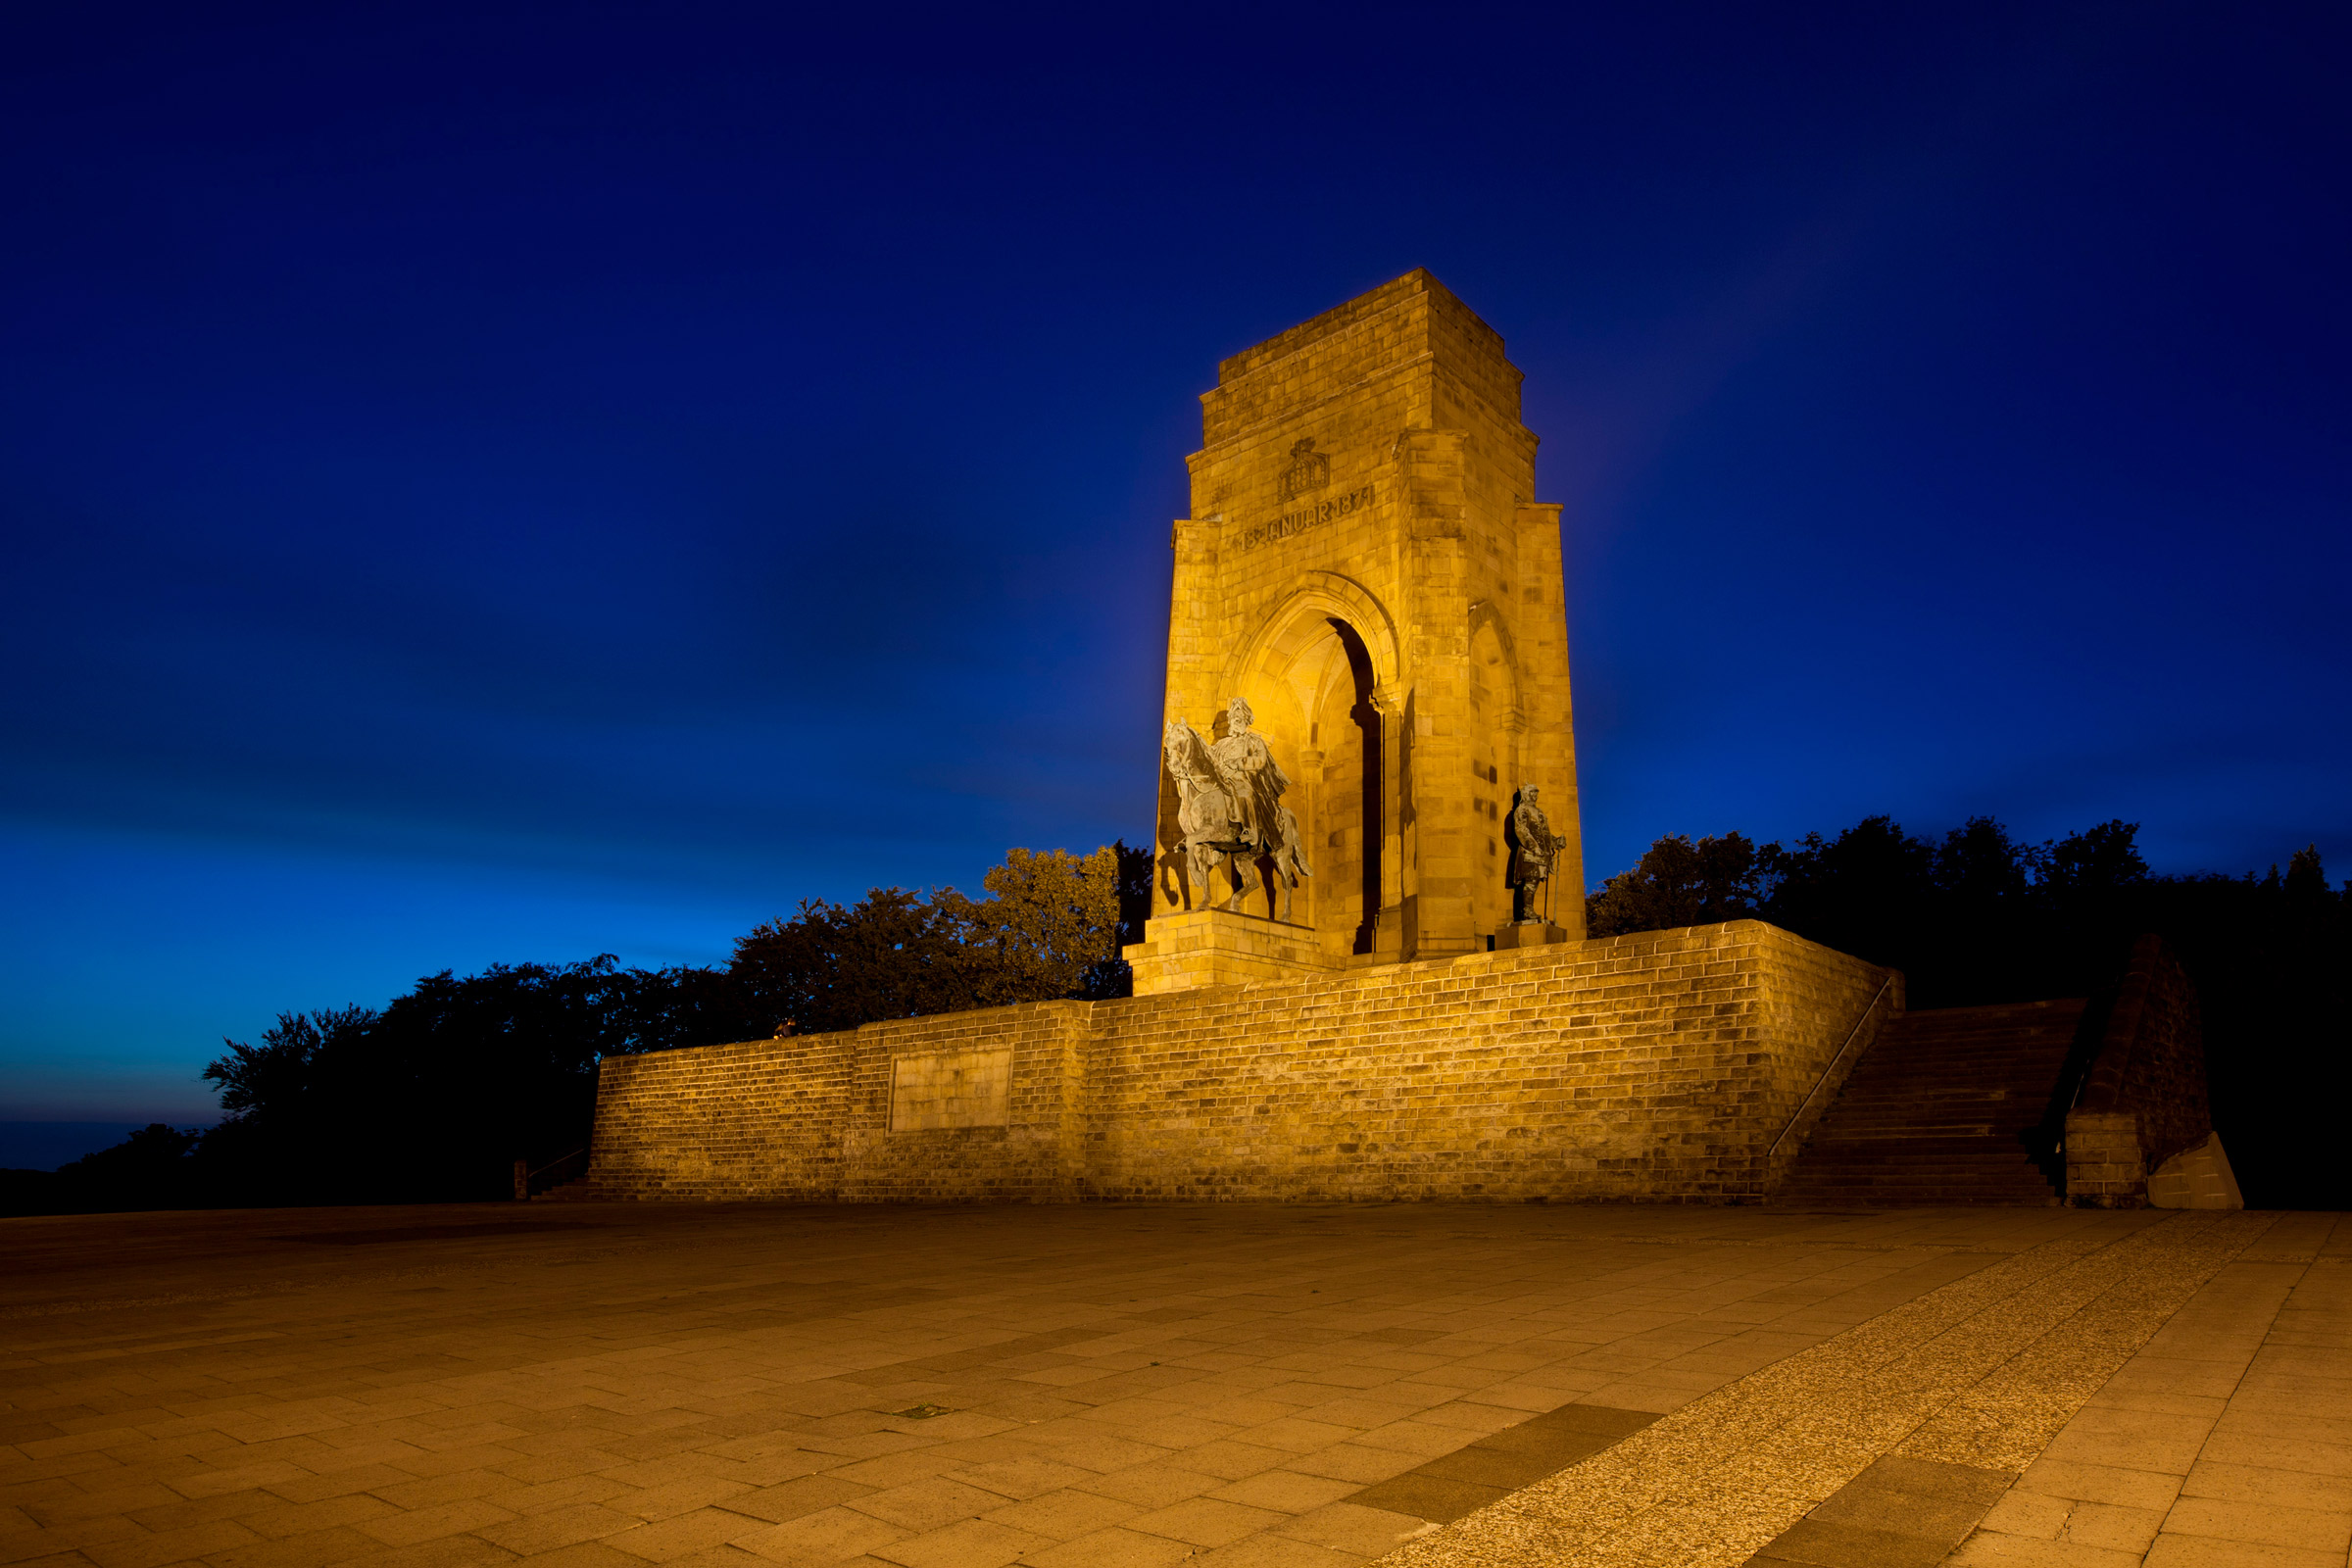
(1662, 1066)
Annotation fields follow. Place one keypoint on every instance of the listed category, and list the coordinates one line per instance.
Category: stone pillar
(1432, 474)
(1388, 925)
(1307, 785)
(2104, 1166)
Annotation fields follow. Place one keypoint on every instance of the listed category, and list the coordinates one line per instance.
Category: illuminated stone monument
(1365, 974)
(1367, 570)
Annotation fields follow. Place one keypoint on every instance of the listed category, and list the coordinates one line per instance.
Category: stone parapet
(1663, 1066)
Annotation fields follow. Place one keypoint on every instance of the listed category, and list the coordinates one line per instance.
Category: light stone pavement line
(1693, 1450)
(1716, 1481)
(2105, 1481)
(1801, 1465)
(2007, 1419)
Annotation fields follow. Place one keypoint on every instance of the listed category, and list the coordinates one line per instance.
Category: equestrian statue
(1230, 810)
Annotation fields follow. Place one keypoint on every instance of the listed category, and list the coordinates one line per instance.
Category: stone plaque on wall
(950, 1088)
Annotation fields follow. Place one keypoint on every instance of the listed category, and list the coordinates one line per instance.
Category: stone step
(1939, 1201)
(1940, 1111)
(1891, 1179)
(2021, 1112)
(1976, 1117)
(1925, 1175)
(1875, 1170)
(2021, 1195)
(1922, 1167)
(1936, 1121)
(1942, 1193)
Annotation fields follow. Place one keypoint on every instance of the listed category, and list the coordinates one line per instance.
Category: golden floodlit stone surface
(1232, 1385)
(1367, 568)
(1367, 685)
(1683, 1064)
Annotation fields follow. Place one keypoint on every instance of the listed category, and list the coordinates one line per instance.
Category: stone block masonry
(2144, 1100)
(1367, 566)
(1218, 948)
(1659, 1066)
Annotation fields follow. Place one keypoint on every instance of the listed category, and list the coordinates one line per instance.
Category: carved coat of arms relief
(1309, 470)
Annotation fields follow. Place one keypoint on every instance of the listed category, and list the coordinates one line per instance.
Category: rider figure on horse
(1253, 781)
(1230, 813)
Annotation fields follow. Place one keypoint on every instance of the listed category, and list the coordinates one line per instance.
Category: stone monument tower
(1366, 584)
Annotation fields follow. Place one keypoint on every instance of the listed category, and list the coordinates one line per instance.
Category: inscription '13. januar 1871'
(1305, 518)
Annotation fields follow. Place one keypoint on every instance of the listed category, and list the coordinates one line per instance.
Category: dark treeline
(434, 1096)
(1978, 916)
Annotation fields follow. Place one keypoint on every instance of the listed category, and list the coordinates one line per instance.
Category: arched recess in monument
(1319, 597)
(1353, 828)
(1310, 676)
(1495, 725)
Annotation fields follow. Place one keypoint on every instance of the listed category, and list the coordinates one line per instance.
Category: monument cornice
(1297, 412)
(1231, 372)
(1294, 412)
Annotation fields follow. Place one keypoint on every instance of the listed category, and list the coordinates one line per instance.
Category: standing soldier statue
(1534, 845)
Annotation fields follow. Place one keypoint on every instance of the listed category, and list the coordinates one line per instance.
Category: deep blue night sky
(504, 482)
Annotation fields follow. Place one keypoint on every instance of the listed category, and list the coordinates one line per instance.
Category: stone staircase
(1948, 1106)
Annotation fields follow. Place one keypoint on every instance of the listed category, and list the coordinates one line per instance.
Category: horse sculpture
(1213, 833)
(1289, 859)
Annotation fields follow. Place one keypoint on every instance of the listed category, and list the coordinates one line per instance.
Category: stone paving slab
(2226, 1439)
(1094, 1386)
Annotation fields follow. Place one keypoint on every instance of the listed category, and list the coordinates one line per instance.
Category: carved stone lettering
(1305, 518)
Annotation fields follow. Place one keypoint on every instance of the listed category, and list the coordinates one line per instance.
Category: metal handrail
(524, 1175)
(2090, 1051)
(558, 1160)
(1853, 1035)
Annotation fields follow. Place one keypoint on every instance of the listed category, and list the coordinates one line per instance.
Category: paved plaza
(1111, 1387)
